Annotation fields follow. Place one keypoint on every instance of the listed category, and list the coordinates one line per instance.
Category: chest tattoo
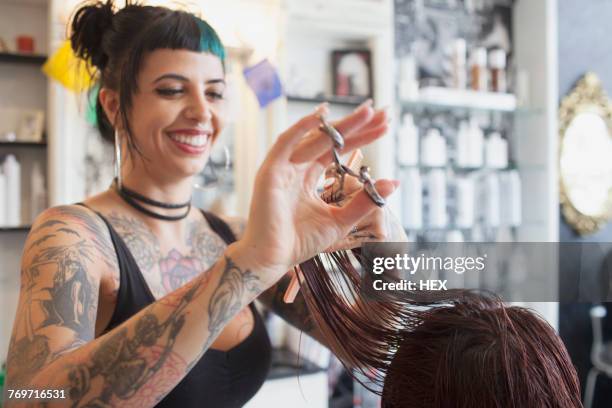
(168, 269)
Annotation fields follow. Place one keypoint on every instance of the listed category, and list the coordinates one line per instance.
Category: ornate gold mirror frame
(585, 169)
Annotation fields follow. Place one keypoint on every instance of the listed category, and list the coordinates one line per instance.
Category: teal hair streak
(209, 40)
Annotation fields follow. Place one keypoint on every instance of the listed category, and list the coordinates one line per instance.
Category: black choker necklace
(131, 197)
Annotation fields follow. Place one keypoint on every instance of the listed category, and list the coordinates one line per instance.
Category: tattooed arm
(137, 363)
(296, 313)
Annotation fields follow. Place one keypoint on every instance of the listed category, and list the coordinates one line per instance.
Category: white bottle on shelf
(12, 170)
(496, 151)
(492, 200)
(412, 200)
(434, 149)
(455, 236)
(466, 200)
(409, 79)
(459, 64)
(497, 60)
(478, 69)
(38, 196)
(408, 154)
(511, 205)
(3, 198)
(463, 145)
(475, 144)
(437, 199)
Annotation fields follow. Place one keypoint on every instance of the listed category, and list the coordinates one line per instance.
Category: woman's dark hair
(429, 350)
(116, 42)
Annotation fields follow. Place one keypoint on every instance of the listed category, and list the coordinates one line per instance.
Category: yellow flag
(68, 69)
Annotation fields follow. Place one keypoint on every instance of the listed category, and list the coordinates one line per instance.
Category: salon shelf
(22, 58)
(20, 228)
(459, 169)
(40, 145)
(334, 100)
(445, 99)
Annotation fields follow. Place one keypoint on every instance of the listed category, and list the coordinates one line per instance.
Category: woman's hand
(288, 222)
(379, 225)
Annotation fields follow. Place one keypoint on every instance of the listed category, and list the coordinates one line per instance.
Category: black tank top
(223, 379)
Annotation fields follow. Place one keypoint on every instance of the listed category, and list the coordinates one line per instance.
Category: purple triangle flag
(264, 81)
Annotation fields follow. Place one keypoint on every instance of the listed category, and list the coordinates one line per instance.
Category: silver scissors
(342, 170)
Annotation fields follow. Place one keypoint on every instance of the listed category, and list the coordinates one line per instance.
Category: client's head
(475, 353)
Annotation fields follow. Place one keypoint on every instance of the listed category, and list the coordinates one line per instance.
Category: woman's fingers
(362, 138)
(318, 142)
(285, 144)
(361, 205)
(316, 168)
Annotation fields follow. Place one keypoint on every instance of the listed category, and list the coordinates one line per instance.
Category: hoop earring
(118, 159)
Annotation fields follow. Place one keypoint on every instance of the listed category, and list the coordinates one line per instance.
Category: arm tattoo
(226, 299)
(123, 361)
(68, 301)
(126, 363)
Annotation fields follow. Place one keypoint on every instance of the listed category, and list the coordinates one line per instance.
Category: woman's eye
(214, 95)
(169, 91)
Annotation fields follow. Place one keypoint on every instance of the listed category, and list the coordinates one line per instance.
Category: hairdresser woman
(133, 298)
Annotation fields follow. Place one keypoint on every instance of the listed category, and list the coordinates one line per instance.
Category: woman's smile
(191, 141)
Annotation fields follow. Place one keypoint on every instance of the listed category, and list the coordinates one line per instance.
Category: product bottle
(497, 60)
(466, 196)
(434, 149)
(475, 144)
(409, 81)
(496, 151)
(408, 154)
(3, 198)
(412, 200)
(478, 69)
(437, 198)
(463, 140)
(511, 211)
(492, 200)
(12, 170)
(459, 64)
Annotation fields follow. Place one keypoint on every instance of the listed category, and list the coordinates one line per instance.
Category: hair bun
(89, 24)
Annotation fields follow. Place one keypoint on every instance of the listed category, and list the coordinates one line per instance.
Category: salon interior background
(570, 44)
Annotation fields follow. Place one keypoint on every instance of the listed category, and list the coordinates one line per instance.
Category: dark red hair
(457, 349)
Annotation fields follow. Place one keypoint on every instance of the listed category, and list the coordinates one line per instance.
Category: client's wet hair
(420, 350)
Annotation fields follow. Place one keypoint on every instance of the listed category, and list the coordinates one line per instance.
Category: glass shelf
(420, 106)
(468, 101)
(23, 144)
(22, 58)
(336, 100)
(20, 228)
(458, 169)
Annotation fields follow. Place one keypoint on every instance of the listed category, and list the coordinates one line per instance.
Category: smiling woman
(134, 298)
(180, 101)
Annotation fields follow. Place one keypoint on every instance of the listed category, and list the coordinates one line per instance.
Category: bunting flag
(69, 70)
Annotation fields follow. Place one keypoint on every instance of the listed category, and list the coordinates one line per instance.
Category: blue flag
(264, 81)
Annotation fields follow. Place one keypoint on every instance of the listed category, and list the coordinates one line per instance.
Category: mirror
(585, 161)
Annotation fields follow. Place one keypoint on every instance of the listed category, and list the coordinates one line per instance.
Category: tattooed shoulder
(75, 223)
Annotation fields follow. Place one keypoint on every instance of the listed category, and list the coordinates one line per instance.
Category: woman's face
(177, 112)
